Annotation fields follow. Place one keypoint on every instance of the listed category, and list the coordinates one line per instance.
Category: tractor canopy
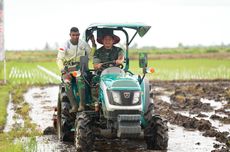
(127, 30)
(140, 28)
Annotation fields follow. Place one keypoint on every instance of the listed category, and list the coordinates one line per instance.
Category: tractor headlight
(124, 98)
(116, 97)
(136, 97)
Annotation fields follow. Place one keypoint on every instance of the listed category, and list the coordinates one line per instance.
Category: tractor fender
(146, 100)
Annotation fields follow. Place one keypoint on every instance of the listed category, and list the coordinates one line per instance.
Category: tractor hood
(120, 81)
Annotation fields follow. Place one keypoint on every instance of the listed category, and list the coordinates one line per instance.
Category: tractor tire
(156, 132)
(84, 137)
(62, 115)
(59, 119)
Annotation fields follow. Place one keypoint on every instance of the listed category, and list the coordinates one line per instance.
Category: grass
(6, 140)
(4, 94)
(21, 75)
(7, 144)
(31, 56)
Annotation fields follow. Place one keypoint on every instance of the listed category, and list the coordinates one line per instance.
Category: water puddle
(13, 119)
(185, 141)
(165, 99)
(213, 103)
(42, 102)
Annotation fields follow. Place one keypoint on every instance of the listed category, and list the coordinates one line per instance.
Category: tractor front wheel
(156, 134)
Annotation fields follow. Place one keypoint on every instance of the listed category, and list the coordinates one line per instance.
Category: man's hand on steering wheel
(108, 64)
(115, 63)
(119, 63)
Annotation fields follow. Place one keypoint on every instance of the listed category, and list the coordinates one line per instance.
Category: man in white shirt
(70, 54)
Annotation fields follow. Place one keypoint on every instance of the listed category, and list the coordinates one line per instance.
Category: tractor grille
(128, 126)
(126, 97)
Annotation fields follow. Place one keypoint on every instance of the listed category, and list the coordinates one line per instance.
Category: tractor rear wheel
(59, 119)
(63, 127)
(84, 138)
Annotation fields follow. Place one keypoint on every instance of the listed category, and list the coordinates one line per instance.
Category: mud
(42, 103)
(201, 105)
(198, 114)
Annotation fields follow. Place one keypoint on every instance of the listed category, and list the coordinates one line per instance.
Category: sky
(30, 24)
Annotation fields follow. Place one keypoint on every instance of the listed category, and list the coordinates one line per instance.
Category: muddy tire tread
(84, 137)
(59, 119)
(156, 132)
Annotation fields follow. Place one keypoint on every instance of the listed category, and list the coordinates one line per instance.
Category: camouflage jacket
(102, 55)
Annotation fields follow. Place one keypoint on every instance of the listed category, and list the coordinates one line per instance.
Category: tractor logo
(126, 95)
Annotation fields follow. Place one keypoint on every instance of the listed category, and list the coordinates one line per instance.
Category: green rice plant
(165, 69)
(186, 69)
(29, 73)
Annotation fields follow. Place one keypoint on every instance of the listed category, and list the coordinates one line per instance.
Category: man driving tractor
(108, 52)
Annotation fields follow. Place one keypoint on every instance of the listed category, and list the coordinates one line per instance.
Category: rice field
(186, 69)
(165, 69)
(31, 73)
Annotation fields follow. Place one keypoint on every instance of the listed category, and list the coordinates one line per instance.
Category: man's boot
(81, 92)
(72, 100)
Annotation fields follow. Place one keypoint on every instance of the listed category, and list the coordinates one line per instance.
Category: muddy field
(198, 114)
(202, 106)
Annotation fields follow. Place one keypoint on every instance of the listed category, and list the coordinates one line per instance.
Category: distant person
(70, 54)
(108, 52)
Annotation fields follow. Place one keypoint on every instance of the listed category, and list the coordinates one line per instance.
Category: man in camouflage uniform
(69, 55)
(108, 52)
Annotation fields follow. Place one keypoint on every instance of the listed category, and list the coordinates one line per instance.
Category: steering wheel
(110, 64)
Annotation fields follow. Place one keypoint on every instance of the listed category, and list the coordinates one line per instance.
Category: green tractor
(124, 108)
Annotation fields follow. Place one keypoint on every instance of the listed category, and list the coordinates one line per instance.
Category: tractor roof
(141, 28)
